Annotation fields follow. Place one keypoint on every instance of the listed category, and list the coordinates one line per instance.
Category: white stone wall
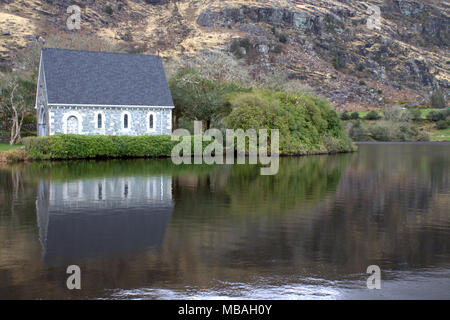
(112, 122)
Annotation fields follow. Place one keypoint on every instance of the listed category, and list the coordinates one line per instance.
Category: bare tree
(17, 104)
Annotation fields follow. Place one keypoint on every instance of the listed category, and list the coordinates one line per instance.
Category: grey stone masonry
(114, 120)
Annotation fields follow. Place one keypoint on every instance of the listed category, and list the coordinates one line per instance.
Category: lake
(147, 229)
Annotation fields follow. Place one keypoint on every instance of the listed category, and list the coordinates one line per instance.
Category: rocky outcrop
(228, 17)
(324, 43)
(338, 34)
(410, 8)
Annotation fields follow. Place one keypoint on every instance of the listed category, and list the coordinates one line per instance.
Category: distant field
(423, 112)
(440, 135)
(7, 146)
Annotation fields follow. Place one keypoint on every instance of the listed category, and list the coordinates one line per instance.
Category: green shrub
(354, 115)
(71, 146)
(339, 60)
(197, 97)
(345, 115)
(436, 116)
(379, 133)
(283, 38)
(415, 114)
(306, 123)
(372, 115)
(108, 10)
(358, 132)
(362, 83)
(74, 146)
(405, 132)
(237, 44)
(443, 124)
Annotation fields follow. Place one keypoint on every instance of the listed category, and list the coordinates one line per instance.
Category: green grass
(440, 135)
(7, 146)
(424, 112)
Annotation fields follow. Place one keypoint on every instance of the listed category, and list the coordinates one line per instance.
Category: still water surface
(146, 229)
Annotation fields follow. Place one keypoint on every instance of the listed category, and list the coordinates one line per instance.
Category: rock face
(227, 17)
(410, 8)
(326, 44)
(403, 53)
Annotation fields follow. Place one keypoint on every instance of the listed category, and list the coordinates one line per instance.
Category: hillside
(325, 44)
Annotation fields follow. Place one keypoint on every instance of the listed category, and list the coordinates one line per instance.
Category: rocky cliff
(356, 53)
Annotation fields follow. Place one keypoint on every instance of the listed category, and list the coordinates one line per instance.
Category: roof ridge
(103, 52)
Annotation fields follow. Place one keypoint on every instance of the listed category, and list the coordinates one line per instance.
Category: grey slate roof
(104, 78)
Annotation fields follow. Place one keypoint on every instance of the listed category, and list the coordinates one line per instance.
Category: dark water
(149, 229)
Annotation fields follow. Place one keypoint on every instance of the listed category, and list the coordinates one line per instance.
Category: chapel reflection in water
(110, 217)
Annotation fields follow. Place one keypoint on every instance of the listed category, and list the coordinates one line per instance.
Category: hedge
(72, 146)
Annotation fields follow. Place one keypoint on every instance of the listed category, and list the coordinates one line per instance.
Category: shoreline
(8, 157)
(17, 155)
(400, 142)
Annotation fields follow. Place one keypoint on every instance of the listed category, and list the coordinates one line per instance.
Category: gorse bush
(306, 123)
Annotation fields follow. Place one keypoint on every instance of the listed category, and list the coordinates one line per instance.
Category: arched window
(125, 121)
(150, 121)
(99, 121)
(72, 124)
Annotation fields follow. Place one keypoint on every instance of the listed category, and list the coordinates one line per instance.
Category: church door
(72, 125)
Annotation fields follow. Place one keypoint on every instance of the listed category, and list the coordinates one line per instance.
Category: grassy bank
(423, 113)
(7, 146)
(398, 124)
(440, 135)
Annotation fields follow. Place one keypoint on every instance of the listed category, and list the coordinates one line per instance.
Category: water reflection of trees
(388, 209)
(240, 190)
